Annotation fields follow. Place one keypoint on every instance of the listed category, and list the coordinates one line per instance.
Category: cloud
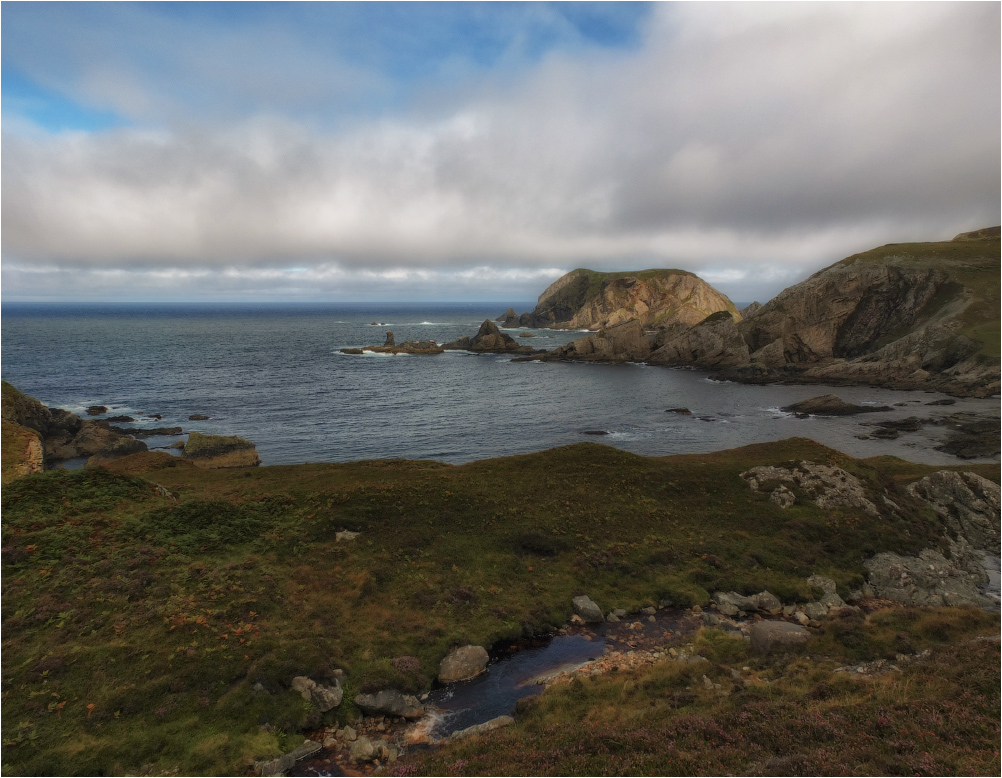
(749, 141)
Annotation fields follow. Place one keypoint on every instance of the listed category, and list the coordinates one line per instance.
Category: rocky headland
(906, 316)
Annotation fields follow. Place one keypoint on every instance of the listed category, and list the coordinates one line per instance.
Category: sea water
(274, 375)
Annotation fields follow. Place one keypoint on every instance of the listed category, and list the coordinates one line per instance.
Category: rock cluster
(489, 340)
(825, 485)
(323, 697)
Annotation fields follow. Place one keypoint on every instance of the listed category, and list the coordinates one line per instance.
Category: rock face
(620, 343)
(968, 504)
(714, 342)
(910, 316)
(585, 299)
(462, 663)
(390, 702)
(832, 405)
(489, 340)
(216, 451)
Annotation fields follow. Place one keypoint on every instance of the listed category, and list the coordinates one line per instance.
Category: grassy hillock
(974, 267)
(154, 618)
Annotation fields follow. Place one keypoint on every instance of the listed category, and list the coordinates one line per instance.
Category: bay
(274, 374)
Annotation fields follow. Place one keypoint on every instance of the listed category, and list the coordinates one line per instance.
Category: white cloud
(752, 142)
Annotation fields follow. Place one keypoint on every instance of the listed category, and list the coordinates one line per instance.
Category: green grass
(135, 626)
(796, 716)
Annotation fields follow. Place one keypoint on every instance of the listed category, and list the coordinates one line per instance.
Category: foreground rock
(218, 451)
(323, 697)
(587, 610)
(769, 637)
(462, 663)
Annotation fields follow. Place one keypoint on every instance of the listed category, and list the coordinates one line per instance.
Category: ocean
(273, 374)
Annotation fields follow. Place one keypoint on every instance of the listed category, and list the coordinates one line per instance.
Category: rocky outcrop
(968, 504)
(733, 604)
(489, 340)
(509, 318)
(586, 609)
(620, 343)
(910, 316)
(22, 451)
(462, 663)
(64, 435)
(831, 405)
(714, 342)
(769, 637)
(826, 486)
(218, 451)
(585, 299)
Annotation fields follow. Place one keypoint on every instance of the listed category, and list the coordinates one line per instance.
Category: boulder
(390, 702)
(832, 405)
(826, 486)
(322, 697)
(195, 417)
(732, 603)
(96, 410)
(587, 610)
(462, 663)
(480, 729)
(830, 597)
(362, 750)
(286, 762)
(770, 637)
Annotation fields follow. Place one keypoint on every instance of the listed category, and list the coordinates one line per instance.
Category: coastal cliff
(905, 315)
(586, 299)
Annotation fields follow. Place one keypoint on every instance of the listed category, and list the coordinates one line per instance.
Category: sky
(353, 152)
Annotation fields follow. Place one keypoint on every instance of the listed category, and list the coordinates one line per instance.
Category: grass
(973, 267)
(136, 626)
(795, 716)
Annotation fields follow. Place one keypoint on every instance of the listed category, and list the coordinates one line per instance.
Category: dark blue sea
(273, 374)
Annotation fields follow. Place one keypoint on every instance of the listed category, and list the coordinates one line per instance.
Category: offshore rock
(509, 318)
(832, 405)
(219, 451)
(489, 340)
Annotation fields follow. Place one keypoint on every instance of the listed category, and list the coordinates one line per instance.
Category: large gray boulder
(967, 503)
(462, 663)
(769, 637)
(586, 608)
(390, 702)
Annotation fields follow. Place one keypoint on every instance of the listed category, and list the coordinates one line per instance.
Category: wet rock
(594, 432)
(509, 318)
(462, 663)
(362, 750)
(390, 341)
(96, 410)
(944, 401)
(120, 419)
(769, 637)
(831, 405)
(586, 609)
(390, 702)
(679, 411)
(732, 603)
(198, 417)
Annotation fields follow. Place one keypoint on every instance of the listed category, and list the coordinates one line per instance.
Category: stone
(285, 762)
(966, 502)
(769, 603)
(769, 637)
(826, 486)
(96, 410)
(321, 696)
(462, 663)
(829, 598)
(196, 417)
(390, 341)
(931, 578)
(612, 618)
(815, 611)
(362, 750)
(345, 536)
(679, 411)
(783, 497)
(480, 729)
(391, 702)
(586, 609)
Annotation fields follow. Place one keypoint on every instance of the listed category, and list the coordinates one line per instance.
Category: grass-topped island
(156, 613)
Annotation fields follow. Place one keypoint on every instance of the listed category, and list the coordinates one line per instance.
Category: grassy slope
(134, 627)
(971, 264)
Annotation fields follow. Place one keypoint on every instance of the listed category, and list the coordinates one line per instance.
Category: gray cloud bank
(750, 143)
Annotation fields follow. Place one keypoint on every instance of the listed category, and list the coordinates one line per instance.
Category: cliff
(907, 315)
(585, 299)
